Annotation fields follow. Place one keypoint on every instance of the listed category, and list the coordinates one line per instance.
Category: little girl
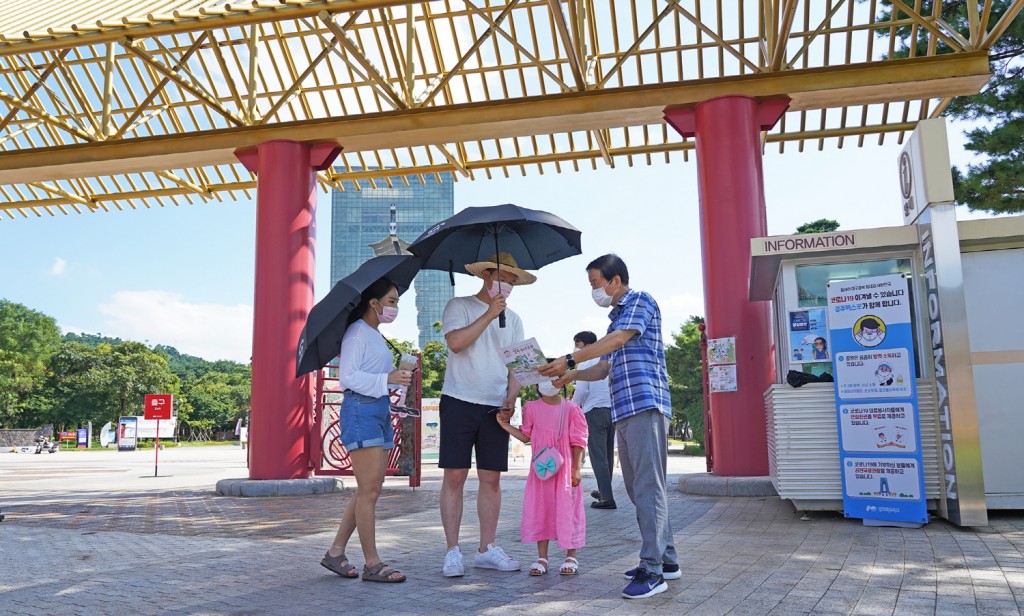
(553, 507)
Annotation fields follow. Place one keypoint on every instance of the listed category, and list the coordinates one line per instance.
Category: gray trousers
(643, 455)
(601, 444)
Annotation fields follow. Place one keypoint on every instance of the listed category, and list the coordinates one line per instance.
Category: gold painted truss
(127, 103)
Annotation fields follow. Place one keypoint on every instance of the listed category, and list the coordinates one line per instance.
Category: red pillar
(732, 211)
(285, 270)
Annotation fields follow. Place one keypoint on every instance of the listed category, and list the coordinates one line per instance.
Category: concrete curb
(278, 487)
(709, 484)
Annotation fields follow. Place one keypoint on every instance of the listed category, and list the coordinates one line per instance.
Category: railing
(328, 455)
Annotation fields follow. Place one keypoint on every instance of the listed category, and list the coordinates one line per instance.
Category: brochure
(523, 359)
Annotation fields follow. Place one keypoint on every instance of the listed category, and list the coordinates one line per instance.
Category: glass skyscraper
(362, 217)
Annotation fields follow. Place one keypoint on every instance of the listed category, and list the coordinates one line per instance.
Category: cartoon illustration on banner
(808, 336)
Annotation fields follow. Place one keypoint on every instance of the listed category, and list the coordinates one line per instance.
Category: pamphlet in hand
(523, 359)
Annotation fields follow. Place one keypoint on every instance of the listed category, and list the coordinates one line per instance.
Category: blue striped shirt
(638, 375)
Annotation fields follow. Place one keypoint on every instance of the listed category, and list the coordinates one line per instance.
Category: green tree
(27, 341)
(217, 400)
(101, 383)
(997, 183)
(822, 225)
(685, 377)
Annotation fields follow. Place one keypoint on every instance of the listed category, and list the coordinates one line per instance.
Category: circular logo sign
(906, 175)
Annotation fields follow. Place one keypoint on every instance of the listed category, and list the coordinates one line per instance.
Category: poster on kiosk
(876, 399)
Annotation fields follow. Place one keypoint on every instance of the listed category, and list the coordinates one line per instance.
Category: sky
(183, 276)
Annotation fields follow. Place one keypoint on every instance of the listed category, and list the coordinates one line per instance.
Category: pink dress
(552, 508)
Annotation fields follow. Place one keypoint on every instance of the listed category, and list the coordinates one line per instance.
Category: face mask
(601, 297)
(504, 288)
(547, 389)
(389, 314)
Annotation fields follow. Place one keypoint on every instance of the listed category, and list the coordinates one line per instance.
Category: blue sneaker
(669, 572)
(644, 584)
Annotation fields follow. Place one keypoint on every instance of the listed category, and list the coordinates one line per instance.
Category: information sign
(159, 406)
(127, 430)
(876, 399)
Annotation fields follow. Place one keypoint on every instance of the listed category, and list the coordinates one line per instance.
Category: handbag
(547, 461)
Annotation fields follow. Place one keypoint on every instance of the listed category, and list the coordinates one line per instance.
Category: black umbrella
(534, 239)
(320, 340)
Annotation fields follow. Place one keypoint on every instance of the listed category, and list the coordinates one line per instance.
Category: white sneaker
(495, 558)
(453, 566)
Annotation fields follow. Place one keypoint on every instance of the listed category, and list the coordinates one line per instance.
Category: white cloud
(59, 267)
(210, 331)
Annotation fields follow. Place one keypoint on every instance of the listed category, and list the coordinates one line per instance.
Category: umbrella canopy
(320, 340)
(533, 237)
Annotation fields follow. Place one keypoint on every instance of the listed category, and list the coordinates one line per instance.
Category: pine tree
(996, 184)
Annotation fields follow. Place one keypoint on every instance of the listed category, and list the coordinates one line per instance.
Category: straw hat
(506, 263)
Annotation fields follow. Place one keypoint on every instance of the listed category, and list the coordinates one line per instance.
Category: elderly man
(633, 354)
(476, 385)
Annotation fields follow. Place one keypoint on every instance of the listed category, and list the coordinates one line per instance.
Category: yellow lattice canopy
(107, 104)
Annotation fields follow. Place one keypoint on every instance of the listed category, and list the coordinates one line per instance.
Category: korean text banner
(876, 399)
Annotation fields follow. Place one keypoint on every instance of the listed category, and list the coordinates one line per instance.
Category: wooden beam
(32, 89)
(836, 86)
(575, 63)
(162, 28)
(209, 100)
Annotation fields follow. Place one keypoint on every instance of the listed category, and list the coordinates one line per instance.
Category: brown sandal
(334, 563)
(376, 573)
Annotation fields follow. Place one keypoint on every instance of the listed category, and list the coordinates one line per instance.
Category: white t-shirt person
(365, 360)
(592, 394)
(477, 374)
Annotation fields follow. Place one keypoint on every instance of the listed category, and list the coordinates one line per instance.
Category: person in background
(595, 400)
(478, 390)
(364, 371)
(553, 505)
(633, 353)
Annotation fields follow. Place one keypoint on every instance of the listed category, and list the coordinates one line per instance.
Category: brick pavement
(189, 552)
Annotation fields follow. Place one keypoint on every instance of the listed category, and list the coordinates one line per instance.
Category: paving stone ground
(91, 533)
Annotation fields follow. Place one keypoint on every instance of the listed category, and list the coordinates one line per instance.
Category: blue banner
(876, 399)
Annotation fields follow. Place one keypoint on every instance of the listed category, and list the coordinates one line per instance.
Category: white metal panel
(803, 441)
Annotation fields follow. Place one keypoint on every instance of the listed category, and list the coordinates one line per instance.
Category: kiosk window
(812, 280)
(812, 290)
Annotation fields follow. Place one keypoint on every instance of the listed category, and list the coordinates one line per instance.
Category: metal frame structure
(113, 105)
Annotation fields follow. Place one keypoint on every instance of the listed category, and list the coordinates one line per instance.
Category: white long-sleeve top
(365, 361)
(592, 394)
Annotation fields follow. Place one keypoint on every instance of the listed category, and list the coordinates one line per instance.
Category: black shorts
(465, 426)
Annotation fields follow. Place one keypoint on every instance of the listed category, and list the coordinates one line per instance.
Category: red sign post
(158, 406)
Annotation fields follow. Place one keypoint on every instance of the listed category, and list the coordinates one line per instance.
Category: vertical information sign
(876, 399)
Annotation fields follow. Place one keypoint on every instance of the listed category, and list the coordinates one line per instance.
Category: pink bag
(548, 460)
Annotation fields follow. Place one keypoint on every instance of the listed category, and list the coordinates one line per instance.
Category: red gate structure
(327, 454)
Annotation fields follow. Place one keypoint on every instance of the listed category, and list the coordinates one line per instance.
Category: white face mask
(601, 297)
(547, 389)
(389, 314)
(504, 288)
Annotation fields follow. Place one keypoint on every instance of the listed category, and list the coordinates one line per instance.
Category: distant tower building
(392, 244)
(398, 213)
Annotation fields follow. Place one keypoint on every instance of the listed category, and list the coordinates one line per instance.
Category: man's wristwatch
(570, 362)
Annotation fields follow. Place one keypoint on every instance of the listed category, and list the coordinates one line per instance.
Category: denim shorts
(365, 422)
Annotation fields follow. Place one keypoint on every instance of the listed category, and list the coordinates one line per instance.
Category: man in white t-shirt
(477, 386)
(596, 401)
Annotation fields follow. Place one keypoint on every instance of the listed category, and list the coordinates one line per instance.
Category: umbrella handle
(497, 261)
